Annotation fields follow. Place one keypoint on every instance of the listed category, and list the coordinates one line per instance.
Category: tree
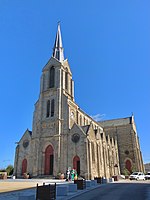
(133, 169)
(126, 172)
(9, 170)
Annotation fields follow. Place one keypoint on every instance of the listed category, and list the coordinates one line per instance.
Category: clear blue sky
(108, 47)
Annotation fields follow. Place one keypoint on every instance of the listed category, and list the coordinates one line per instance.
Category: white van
(137, 176)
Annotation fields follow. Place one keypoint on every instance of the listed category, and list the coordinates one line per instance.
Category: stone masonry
(63, 136)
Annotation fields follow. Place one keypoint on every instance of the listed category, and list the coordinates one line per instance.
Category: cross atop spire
(58, 51)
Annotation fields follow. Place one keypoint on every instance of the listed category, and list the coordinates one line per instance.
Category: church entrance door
(24, 166)
(76, 164)
(49, 160)
(128, 165)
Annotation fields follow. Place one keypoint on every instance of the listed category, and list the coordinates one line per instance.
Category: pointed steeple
(58, 51)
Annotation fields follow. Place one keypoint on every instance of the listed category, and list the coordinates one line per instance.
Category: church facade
(63, 135)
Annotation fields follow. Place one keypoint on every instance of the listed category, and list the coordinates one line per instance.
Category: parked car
(137, 176)
(147, 176)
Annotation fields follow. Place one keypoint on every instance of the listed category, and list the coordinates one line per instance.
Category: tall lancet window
(80, 120)
(52, 107)
(48, 108)
(58, 55)
(52, 77)
(66, 79)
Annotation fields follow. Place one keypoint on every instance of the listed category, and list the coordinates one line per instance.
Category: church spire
(58, 51)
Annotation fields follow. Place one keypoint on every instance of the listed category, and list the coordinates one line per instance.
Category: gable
(52, 62)
(26, 136)
(77, 129)
(91, 133)
(85, 128)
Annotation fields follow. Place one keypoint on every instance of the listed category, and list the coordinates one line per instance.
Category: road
(119, 191)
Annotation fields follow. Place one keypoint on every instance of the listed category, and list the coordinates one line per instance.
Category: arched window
(80, 120)
(52, 77)
(84, 121)
(93, 151)
(52, 107)
(66, 80)
(77, 117)
(48, 108)
(58, 55)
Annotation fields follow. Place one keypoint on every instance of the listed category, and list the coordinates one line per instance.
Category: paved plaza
(10, 185)
(14, 189)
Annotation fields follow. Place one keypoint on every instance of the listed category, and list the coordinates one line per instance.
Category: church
(64, 136)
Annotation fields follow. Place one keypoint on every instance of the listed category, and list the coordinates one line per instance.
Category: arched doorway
(128, 165)
(24, 166)
(49, 160)
(76, 164)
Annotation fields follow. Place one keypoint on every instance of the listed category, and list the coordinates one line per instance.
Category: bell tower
(55, 85)
(51, 110)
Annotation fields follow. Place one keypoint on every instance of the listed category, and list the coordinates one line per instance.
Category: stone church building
(63, 135)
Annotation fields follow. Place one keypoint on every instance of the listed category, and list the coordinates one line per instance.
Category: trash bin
(115, 178)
